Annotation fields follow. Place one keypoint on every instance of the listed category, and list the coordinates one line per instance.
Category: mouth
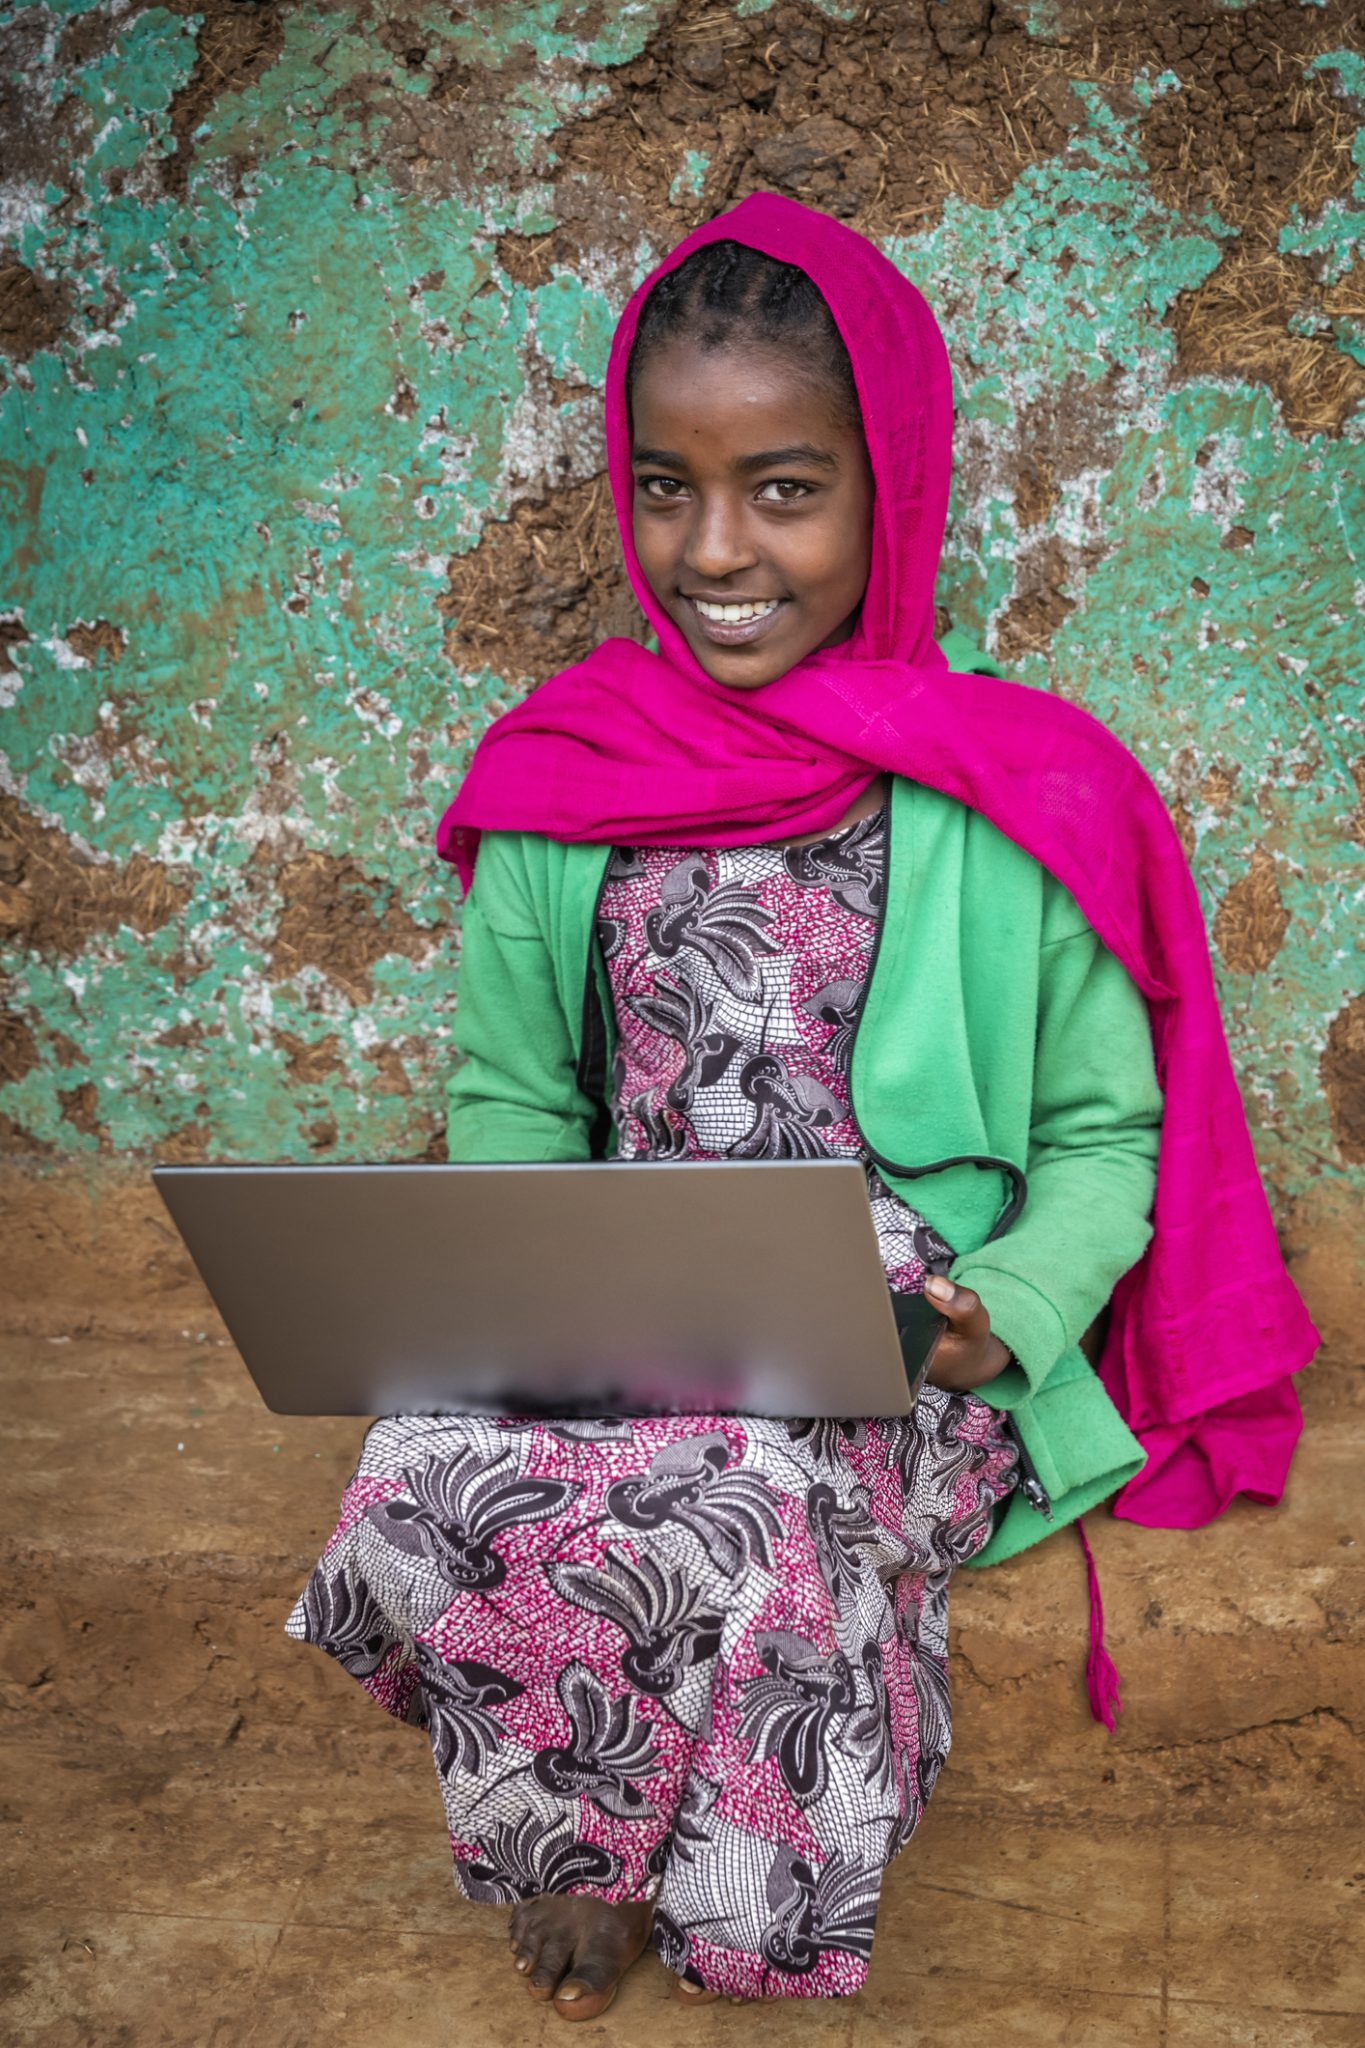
(734, 624)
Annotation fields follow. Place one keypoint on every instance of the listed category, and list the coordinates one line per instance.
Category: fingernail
(939, 1288)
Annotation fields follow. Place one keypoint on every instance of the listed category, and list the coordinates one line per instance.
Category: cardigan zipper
(1030, 1485)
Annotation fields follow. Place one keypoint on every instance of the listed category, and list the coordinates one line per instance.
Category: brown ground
(216, 1838)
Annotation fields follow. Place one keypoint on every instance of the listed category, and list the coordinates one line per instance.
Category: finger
(950, 1370)
(963, 1308)
(960, 1364)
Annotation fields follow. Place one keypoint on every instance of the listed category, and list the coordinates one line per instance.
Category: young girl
(791, 888)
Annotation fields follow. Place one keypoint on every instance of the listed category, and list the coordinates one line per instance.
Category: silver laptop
(620, 1287)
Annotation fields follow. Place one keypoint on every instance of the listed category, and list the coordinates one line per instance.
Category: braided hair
(727, 292)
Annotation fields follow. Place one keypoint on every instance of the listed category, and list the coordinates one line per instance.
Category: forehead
(746, 395)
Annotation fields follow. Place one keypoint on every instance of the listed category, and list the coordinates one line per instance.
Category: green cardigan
(995, 1026)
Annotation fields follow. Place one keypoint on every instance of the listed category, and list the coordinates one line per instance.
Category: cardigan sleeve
(515, 1095)
(1094, 1136)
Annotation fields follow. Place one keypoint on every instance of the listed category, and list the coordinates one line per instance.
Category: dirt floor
(215, 1837)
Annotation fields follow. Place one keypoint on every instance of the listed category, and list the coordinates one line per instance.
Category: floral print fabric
(736, 976)
(701, 1660)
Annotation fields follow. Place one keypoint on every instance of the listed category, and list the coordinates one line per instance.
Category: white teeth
(732, 614)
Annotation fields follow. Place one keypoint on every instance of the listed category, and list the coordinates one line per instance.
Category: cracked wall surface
(304, 313)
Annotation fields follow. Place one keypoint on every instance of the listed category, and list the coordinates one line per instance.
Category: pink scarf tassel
(1101, 1672)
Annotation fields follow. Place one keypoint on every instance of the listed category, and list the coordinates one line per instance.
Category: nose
(718, 542)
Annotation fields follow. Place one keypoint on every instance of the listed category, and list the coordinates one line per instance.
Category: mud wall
(304, 313)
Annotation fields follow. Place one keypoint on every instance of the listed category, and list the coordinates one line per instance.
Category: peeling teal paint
(1044, 19)
(1348, 64)
(546, 30)
(997, 278)
(691, 179)
(1147, 88)
(574, 326)
(317, 388)
(1192, 684)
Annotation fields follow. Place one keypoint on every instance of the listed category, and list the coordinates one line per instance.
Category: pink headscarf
(646, 749)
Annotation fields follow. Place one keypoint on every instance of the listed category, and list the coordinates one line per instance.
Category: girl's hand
(967, 1355)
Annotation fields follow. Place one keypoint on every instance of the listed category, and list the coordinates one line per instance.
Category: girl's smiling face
(753, 506)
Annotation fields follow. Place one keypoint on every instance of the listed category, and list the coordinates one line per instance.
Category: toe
(697, 1994)
(554, 1958)
(584, 1996)
(592, 1984)
(693, 1994)
(530, 1958)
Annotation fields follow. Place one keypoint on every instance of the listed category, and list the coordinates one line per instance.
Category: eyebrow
(799, 451)
(768, 458)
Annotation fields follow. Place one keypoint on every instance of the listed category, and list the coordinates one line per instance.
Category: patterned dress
(701, 1660)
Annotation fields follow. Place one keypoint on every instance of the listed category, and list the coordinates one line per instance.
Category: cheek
(653, 549)
(655, 562)
(838, 557)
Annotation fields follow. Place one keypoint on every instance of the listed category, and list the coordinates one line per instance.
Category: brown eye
(659, 487)
(788, 490)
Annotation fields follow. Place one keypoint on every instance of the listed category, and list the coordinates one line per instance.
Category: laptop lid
(629, 1287)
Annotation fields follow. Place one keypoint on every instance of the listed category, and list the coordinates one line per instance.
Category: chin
(736, 672)
(752, 679)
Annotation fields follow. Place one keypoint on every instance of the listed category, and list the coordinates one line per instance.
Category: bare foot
(695, 1994)
(576, 1950)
